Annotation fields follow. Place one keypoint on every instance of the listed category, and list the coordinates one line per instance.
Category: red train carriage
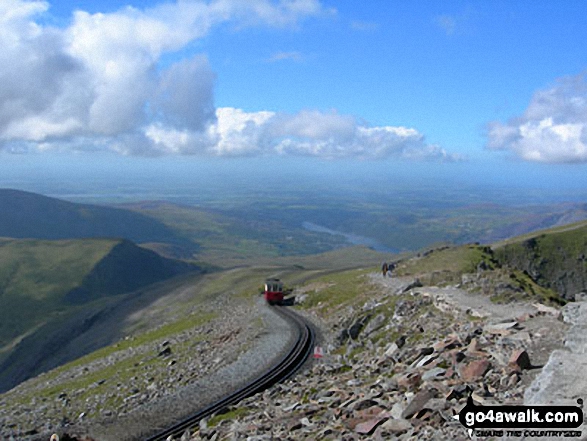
(273, 291)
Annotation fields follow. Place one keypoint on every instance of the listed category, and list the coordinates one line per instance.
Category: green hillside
(33, 216)
(555, 259)
(40, 279)
(549, 264)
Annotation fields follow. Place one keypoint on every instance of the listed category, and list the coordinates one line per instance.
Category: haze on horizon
(299, 90)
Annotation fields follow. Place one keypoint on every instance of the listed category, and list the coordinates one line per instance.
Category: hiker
(384, 269)
(390, 268)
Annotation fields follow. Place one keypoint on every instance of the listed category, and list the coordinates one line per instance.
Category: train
(273, 292)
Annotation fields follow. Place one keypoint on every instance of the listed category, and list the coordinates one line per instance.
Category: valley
(113, 330)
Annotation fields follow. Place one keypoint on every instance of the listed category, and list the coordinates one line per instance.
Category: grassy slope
(30, 215)
(477, 268)
(162, 319)
(580, 226)
(555, 259)
(39, 278)
(36, 274)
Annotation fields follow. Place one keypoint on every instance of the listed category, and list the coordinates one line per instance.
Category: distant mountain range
(30, 215)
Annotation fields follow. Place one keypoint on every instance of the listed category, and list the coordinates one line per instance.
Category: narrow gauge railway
(282, 370)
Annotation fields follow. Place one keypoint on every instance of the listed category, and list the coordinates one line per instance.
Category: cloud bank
(98, 84)
(553, 129)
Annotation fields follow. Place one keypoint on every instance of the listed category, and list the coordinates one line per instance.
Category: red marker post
(318, 352)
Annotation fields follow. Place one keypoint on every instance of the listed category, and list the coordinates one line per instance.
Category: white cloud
(553, 128)
(307, 133)
(98, 85)
(98, 76)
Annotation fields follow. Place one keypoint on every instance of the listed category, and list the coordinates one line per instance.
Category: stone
(368, 427)
(502, 328)
(433, 374)
(473, 346)
(417, 403)
(397, 409)
(546, 310)
(409, 380)
(426, 360)
(375, 323)
(362, 404)
(520, 360)
(475, 369)
(396, 426)
(165, 352)
(391, 349)
(426, 351)
(436, 404)
(449, 343)
(415, 284)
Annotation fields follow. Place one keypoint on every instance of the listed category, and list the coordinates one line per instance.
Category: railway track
(286, 367)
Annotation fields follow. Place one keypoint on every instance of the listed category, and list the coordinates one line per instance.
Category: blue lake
(354, 239)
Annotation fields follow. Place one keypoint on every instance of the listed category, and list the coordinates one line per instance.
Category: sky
(486, 91)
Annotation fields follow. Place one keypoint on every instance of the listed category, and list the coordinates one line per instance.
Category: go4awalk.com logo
(523, 421)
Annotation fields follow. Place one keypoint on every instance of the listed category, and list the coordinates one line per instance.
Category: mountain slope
(555, 259)
(29, 215)
(41, 279)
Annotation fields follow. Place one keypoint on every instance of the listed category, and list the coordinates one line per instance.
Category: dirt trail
(477, 305)
(557, 348)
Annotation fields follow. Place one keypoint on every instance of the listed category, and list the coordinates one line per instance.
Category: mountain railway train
(273, 291)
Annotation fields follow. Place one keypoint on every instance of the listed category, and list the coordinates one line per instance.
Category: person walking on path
(384, 268)
(390, 268)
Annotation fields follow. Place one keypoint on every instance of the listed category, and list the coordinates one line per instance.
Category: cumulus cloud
(307, 133)
(98, 76)
(553, 129)
(98, 84)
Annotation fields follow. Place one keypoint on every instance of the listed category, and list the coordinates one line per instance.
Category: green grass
(574, 229)
(338, 289)
(143, 338)
(530, 288)
(448, 264)
(556, 259)
(41, 269)
(229, 415)
(36, 274)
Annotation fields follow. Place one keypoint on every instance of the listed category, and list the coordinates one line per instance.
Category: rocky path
(476, 305)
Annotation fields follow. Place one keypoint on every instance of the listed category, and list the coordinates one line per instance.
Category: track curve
(285, 367)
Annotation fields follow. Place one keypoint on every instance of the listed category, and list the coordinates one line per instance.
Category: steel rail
(287, 366)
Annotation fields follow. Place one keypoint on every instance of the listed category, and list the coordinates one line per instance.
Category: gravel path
(474, 303)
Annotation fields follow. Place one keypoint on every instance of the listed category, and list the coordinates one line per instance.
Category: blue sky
(498, 86)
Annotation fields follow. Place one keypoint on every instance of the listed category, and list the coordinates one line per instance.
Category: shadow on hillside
(92, 327)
